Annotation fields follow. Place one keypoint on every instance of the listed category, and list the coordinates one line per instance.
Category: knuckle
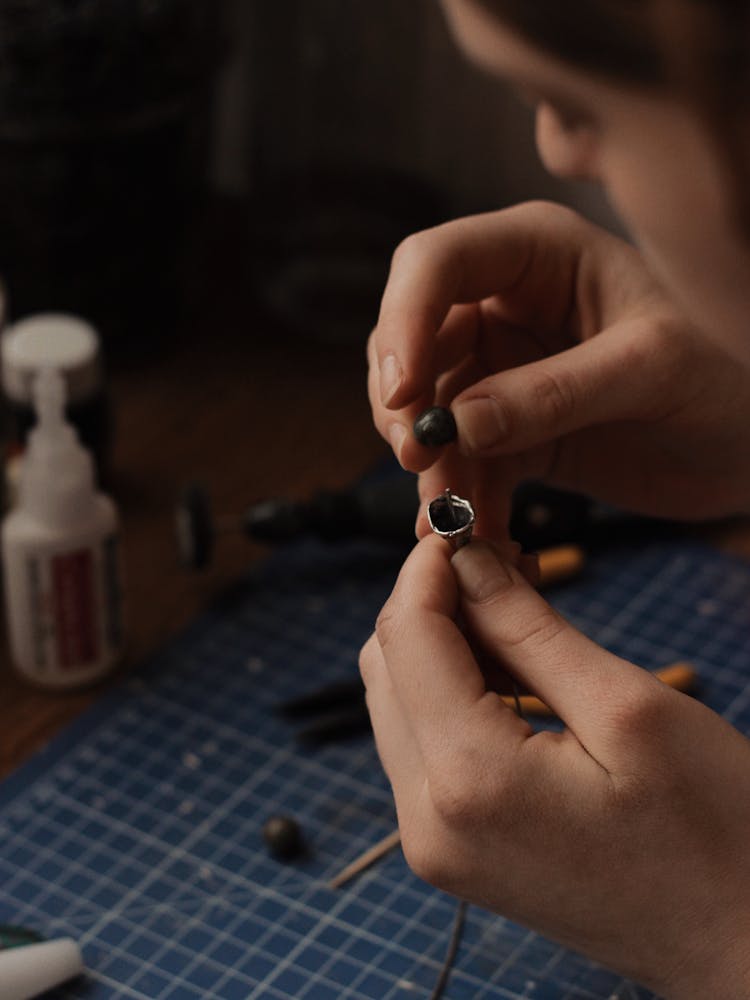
(463, 780)
(367, 664)
(387, 625)
(668, 351)
(666, 332)
(662, 349)
(461, 807)
(492, 585)
(454, 799)
(409, 251)
(381, 419)
(466, 793)
(661, 346)
(427, 848)
(425, 855)
(550, 210)
(551, 393)
(496, 424)
(552, 216)
(536, 633)
(639, 713)
(505, 421)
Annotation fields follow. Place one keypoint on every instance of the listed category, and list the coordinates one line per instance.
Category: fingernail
(396, 435)
(480, 571)
(481, 423)
(391, 377)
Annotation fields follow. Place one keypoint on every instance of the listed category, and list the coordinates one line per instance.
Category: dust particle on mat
(283, 837)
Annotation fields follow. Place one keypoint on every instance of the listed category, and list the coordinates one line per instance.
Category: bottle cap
(50, 340)
(57, 474)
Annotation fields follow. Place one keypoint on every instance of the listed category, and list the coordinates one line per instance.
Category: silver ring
(452, 518)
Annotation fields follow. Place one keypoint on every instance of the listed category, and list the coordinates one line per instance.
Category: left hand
(624, 837)
(563, 360)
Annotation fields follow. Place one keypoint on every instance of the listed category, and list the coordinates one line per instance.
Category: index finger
(438, 681)
(536, 246)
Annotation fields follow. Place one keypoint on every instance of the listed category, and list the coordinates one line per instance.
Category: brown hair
(633, 39)
(607, 36)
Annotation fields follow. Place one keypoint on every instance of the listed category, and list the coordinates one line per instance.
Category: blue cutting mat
(138, 830)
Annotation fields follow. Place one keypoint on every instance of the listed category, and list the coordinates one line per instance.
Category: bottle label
(75, 601)
(74, 608)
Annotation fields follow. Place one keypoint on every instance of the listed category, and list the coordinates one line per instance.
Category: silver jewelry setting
(452, 518)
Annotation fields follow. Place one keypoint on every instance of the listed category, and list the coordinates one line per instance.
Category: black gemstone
(435, 427)
(283, 837)
(448, 515)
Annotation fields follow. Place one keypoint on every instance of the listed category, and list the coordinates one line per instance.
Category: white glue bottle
(60, 558)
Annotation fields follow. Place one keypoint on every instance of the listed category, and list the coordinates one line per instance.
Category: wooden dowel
(563, 562)
(681, 676)
(367, 858)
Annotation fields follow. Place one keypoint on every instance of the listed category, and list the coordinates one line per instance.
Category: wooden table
(239, 407)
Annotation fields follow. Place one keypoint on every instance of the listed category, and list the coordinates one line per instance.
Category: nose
(567, 149)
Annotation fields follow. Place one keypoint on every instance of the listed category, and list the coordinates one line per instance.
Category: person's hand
(562, 360)
(625, 836)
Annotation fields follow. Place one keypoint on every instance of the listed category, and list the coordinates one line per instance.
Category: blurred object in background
(323, 244)
(105, 132)
(334, 185)
(72, 347)
(350, 125)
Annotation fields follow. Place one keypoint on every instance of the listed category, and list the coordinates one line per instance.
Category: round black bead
(435, 427)
(283, 837)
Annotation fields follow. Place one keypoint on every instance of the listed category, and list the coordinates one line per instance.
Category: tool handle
(31, 969)
(680, 676)
(559, 564)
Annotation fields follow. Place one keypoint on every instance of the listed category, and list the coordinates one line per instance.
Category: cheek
(657, 212)
(662, 176)
(680, 220)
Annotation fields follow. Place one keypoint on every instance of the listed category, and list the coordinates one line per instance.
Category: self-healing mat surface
(138, 831)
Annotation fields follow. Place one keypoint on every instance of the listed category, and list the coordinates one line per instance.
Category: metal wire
(458, 925)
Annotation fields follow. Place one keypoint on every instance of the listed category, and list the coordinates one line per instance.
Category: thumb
(624, 373)
(580, 681)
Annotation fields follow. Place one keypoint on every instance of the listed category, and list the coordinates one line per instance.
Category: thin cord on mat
(460, 919)
(450, 955)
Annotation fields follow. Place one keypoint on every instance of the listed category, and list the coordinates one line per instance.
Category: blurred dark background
(160, 154)
(106, 119)
(218, 186)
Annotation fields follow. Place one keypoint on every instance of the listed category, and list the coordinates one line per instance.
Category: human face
(650, 153)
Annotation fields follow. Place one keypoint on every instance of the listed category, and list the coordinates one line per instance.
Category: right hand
(562, 360)
(624, 836)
